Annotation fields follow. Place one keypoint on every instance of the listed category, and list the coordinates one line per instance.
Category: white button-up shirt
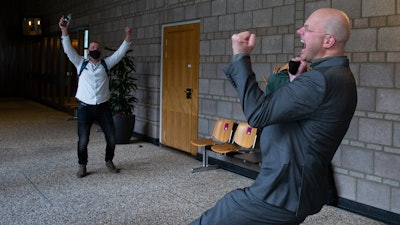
(93, 84)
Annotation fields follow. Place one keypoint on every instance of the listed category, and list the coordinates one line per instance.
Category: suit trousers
(240, 207)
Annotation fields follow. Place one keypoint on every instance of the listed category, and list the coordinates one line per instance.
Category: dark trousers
(239, 207)
(87, 115)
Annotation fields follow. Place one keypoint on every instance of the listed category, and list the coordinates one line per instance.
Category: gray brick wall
(367, 164)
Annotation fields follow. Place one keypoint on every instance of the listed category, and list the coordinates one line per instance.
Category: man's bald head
(334, 22)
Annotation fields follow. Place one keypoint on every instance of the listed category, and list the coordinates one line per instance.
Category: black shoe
(82, 171)
(111, 167)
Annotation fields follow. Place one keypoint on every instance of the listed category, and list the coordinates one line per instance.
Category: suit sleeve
(293, 101)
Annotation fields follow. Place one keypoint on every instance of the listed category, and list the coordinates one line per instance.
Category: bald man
(303, 124)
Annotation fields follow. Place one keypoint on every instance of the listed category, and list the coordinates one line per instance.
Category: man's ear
(329, 41)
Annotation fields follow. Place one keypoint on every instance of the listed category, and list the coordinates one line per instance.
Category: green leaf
(123, 85)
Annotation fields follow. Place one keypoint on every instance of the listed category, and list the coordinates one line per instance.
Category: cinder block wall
(367, 164)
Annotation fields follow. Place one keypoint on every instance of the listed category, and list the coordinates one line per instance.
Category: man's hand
(64, 29)
(243, 43)
(128, 32)
(63, 21)
(302, 69)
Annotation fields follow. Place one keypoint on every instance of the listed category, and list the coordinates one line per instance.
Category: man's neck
(94, 61)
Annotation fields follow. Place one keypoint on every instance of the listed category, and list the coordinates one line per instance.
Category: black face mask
(95, 54)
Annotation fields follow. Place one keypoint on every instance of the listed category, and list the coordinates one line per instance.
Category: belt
(85, 104)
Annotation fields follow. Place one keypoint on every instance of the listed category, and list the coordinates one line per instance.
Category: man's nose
(300, 31)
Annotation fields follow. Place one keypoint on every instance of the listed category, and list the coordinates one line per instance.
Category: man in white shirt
(93, 94)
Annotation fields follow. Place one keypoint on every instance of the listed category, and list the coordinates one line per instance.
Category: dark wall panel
(11, 79)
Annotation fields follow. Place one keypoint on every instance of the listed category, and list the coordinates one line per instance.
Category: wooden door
(181, 51)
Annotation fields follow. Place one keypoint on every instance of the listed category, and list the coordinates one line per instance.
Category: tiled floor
(155, 185)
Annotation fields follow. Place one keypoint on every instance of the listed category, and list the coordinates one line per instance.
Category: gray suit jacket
(303, 124)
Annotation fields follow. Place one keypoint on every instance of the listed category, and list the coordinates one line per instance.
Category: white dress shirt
(93, 84)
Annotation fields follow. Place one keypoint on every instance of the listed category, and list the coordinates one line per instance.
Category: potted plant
(123, 86)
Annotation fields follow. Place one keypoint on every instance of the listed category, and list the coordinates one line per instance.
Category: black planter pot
(124, 126)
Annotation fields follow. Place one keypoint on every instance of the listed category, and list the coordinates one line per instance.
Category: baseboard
(368, 211)
(348, 205)
(154, 141)
(233, 168)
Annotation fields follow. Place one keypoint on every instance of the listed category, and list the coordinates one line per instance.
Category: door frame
(162, 62)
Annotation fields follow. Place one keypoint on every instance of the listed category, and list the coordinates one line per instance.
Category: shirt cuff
(238, 56)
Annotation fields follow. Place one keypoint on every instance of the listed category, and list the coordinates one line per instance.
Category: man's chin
(303, 55)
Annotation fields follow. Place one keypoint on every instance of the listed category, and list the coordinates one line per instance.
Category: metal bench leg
(205, 166)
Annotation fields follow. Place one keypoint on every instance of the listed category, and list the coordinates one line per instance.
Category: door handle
(188, 93)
